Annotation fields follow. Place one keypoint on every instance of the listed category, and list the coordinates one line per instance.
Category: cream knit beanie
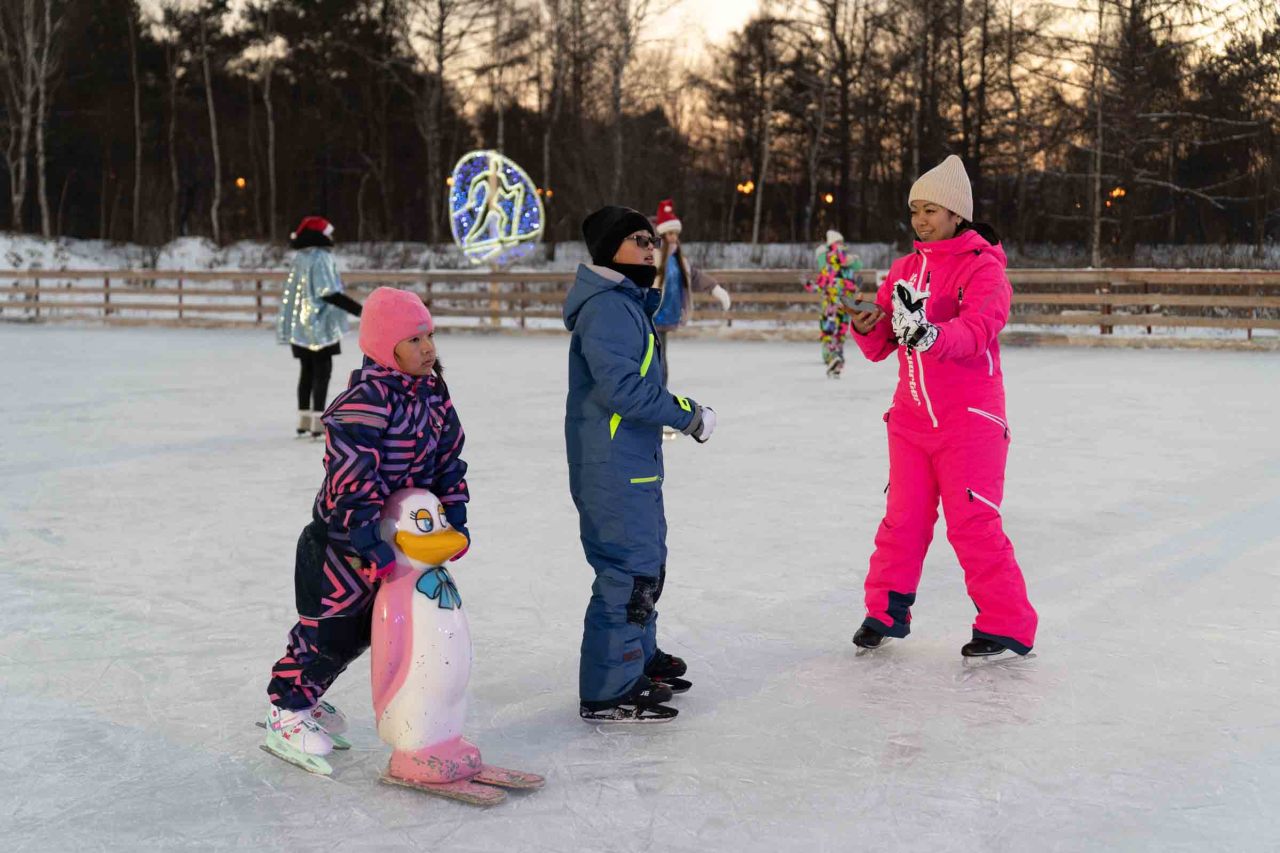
(946, 184)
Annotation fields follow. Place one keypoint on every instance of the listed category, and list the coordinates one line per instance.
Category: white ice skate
(294, 737)
(333, 721)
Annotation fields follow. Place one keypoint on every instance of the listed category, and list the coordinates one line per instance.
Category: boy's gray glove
(702, 425)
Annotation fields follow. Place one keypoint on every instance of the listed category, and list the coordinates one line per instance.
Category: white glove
(702, 425)
(920, 336)
(908, 309)
(723, 295)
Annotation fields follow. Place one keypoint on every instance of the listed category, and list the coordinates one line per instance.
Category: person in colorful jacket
(395, 427)
(313, 317)
(614, 413)
(941, 310)
(837, 284)
(678, 280)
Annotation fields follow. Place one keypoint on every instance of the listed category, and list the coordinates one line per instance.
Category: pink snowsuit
(948, 438)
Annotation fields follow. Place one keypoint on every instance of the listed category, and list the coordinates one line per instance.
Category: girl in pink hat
(941, 310)
(394, 428)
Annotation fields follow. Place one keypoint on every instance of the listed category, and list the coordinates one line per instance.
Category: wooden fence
(765, 302)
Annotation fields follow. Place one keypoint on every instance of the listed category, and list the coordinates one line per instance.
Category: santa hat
(388, 317)
(946, 184)
(667, 220)
(313, 223)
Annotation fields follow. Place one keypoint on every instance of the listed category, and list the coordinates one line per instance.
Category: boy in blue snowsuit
(616, 408)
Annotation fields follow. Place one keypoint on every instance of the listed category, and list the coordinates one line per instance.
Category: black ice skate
(642, 705)
(667, 669)
(677, 685)
(980, 651)
(868, 639)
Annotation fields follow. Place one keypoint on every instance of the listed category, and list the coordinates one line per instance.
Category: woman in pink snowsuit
(941, 309)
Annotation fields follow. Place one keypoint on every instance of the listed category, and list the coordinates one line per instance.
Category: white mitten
(723, 295)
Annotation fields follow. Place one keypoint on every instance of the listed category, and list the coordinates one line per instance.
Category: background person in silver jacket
(313, 317)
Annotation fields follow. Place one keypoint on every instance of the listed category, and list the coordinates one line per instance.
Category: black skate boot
(868, 639)
(980, 650)
(667, 669)
(642, 705)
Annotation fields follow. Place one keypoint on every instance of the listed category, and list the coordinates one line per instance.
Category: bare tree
(435, 34)
(132, 23)
(625, 19)
(49, 57)
(19, 47)
(257, 61)
(216, 203)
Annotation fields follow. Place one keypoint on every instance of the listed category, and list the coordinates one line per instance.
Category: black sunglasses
(646, 241)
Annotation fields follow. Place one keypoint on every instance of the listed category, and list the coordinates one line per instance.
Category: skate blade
(310, 763)
(465, 791)
(1008, 656)
(655, 714)
(863, 652)
(504, 778)
(339, 742)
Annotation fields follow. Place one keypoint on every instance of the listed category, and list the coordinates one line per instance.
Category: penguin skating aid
(421, 661)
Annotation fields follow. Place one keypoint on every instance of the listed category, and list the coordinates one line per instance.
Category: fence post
(1104, 328)
(37, 297)
(495, 306)
(1146, 307)
(1253, 312)
(521, 289)
(258, 298)
(179, 298)
(106, 296)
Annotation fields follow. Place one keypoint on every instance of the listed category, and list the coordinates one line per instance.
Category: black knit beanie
(605, 230)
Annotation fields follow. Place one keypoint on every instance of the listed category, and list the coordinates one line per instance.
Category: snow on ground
(151, 494)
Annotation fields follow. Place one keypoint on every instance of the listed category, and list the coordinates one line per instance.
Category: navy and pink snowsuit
(388, 431)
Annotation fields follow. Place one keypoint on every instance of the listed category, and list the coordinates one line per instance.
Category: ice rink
(151, 494)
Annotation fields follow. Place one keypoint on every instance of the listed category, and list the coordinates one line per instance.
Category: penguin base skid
(483, 789)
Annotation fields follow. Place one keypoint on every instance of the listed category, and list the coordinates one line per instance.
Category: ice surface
(151, 493)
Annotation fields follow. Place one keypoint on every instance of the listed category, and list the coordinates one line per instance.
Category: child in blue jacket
(616, 408)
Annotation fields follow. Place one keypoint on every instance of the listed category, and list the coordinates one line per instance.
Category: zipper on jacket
(923, 390)
(974, 496)
(992, 418)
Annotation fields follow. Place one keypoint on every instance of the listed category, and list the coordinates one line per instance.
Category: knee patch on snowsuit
(644, 595)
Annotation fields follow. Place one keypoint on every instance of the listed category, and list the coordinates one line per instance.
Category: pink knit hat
(388, 317)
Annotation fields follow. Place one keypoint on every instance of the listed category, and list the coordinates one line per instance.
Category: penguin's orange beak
(433, 549)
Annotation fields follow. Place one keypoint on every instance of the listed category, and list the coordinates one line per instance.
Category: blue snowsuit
(616, 408)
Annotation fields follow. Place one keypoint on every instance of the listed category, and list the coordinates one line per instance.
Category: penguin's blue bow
(436, 584)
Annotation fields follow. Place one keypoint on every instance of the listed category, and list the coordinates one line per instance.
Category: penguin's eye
(422, 520)
(444, 522)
